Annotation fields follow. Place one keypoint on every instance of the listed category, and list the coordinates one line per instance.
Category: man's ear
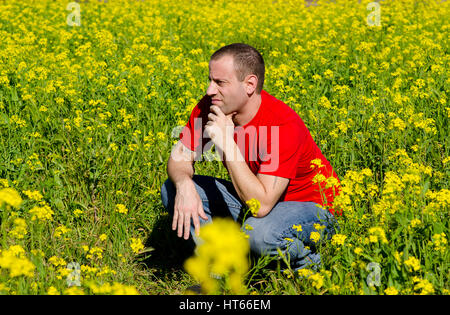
(251, 83)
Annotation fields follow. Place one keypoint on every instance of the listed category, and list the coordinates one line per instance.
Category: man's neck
(248, 111)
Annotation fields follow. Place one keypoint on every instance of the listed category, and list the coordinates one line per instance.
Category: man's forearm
(246, 183)
(180, 172)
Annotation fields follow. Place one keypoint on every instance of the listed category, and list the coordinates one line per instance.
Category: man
(267, 150)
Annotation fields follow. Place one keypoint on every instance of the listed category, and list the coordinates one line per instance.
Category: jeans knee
(258, 237)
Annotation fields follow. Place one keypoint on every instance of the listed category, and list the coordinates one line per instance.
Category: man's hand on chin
(220, 127)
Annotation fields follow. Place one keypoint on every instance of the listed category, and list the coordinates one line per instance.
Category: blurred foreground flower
(15, 261)
(11, 197)
(221, 258)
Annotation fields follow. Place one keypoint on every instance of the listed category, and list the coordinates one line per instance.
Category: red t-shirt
(276, 142)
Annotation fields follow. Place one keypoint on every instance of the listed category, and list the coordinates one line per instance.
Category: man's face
(224, 88)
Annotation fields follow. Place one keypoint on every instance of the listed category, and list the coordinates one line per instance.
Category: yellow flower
(315, 236)
(319, 178)
(377, 234)
(35, 195)
(103, 237)
(423, 285)
(415, 222)
(136, 245)
(121, 208)
(20, 228)
(57, 261)
(324, 102)
(316, 163)
(412, 264)
(298, 228)
(43, 213)
(358, 250)
(331, 182)
(61, 230)
(317, 280)
(304, 272)
(14, 259)
(391, 291)
(52, 291)
(95, 252)
(222, 252)
(11, 197)
(74, 291)
(319, 227)
(4, 182)
(161, 136)
(440, 242)
(328, 74)
(338, 239)
(254, 206)
(77, 212)
(115, 289)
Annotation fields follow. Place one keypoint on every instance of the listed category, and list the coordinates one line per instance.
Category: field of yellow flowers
(90, 92)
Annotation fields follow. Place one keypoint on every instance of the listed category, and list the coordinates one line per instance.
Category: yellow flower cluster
(10, 197)
(34, 195)
(377, 234)
(316, 279)
(412, 264)
(221, 254)
(20, 228)
(16, 262)
(315, 236)
(61, 230)
(136, 245)
(338, 239)
(121, 208)
(424, 286)
(114, 288)
(42, 213)
(440, 242)
(254, 205)
(93, 252)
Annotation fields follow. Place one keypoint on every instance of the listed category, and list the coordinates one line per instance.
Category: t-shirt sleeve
(192, 135)
(282, 151)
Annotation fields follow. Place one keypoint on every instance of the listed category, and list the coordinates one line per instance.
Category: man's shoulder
(279, 113)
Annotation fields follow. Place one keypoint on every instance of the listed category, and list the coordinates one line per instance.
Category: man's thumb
(202, 213)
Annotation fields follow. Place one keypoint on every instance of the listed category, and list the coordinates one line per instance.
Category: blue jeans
(268, 234)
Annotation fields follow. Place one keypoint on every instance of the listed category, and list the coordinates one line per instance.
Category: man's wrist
(232, 152)
(183, 182)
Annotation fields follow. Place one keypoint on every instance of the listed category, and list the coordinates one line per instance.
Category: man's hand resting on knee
(188, 205)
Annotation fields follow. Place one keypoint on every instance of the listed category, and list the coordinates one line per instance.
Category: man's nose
(212, 89)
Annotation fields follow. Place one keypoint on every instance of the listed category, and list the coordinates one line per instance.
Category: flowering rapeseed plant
(220, 262)
(10, 197)
(254, 205)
